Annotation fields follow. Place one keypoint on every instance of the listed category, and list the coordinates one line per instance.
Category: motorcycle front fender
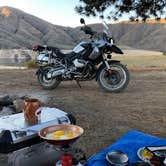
(115, 49)
(103, 65)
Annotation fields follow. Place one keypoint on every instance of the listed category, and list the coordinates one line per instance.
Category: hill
(19, 29)
(150, 21)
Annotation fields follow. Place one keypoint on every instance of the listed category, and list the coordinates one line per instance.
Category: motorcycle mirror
(82, 21)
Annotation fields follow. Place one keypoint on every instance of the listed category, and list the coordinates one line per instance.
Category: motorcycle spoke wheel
(116, 80)
(47, 83)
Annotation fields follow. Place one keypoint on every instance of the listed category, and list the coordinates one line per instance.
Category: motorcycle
(88, 60)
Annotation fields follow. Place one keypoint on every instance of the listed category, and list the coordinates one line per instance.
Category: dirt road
(104, 116)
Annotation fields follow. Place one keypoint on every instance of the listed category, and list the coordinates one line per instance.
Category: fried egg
(60, 135)
(59, 132)
(147, 154)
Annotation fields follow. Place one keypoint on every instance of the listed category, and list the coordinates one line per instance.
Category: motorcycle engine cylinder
(79, 63)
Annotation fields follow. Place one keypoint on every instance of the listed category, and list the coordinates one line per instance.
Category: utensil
(158, 150)
(117, 158)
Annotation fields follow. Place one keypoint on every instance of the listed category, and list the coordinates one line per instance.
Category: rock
(25, 97)
(13, 108)
(6, 100)
(6, 111)
(12, 104)
(18, 104)
(14, 97)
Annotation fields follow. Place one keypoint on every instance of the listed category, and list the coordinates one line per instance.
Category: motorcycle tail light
(35, 47)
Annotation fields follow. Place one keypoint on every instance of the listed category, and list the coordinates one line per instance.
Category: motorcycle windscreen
(115, 49)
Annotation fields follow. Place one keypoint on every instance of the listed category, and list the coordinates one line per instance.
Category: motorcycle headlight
(108, 38)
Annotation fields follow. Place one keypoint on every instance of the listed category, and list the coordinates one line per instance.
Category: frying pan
(76, 130)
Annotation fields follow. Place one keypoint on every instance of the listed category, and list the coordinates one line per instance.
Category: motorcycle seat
(59, 53)
(55, 50)
(64, 55)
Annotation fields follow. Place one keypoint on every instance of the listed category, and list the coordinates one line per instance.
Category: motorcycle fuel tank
(78, 48)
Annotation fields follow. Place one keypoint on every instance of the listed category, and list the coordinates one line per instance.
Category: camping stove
(67, 158)
(17, 138)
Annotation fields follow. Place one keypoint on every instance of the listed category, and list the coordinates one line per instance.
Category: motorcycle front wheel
(114, 81)
(47, 84)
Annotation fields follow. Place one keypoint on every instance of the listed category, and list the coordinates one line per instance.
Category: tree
(114, 9)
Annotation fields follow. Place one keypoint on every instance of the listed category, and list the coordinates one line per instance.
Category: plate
(139, 154)
(117, 157)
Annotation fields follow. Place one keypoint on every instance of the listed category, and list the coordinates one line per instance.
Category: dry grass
(6, 12)
(151, 21)
(31, 64)
(143, 62)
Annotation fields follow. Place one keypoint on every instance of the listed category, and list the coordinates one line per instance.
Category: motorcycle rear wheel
(115, 82)
(47, 84)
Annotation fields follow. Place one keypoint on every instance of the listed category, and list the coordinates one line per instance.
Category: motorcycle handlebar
(93, 34)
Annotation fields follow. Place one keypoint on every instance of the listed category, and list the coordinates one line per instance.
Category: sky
(59, 12)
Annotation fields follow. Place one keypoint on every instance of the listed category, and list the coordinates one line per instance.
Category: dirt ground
(104, 116)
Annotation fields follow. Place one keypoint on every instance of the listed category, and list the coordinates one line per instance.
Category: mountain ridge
(149, 21)
(22, 30)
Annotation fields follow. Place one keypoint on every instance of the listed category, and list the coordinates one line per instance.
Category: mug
(32, 110)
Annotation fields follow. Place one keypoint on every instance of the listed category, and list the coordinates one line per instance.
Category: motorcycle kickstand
(78, 83)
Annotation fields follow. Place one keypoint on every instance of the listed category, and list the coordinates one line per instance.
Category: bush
(31, 64)
(164, 53)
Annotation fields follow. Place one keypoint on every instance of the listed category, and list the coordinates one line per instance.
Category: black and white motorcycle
(88, 60)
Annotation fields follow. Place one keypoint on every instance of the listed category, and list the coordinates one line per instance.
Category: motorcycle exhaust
(55, 73)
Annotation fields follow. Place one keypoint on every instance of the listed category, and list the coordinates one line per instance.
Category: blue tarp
(129, 144)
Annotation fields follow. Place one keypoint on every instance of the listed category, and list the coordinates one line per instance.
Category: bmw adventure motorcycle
(88, 60)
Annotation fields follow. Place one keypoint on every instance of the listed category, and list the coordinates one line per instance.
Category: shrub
(31, 64)
(164, 53)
